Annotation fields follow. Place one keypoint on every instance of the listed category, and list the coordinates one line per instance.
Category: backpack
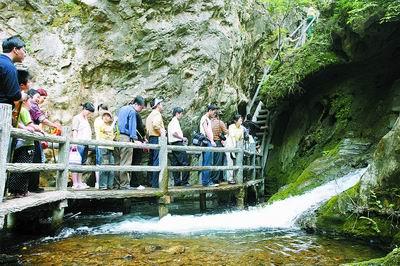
(200, 140)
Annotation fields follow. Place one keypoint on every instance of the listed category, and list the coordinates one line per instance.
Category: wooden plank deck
(13, 205)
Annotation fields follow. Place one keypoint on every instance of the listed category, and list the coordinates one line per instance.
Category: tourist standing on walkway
(13, 52)
(137, 157)
(155, 129)
(106, 132)
(24, 152)
(236, 134)
(81, 130)
(128, 133)
(219, 134)
(38, 117)
(98, 122)
(34, 113)
(178, 158)
(206, 130)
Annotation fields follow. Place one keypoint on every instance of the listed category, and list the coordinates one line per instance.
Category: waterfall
(278, 215)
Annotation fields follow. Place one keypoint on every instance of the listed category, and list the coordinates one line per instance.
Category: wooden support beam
(25, 134)
(203, 201)
(57, 217)
(63, 158)
(31, 167)
(240, 198)
(5, 128)
(163, 177)
(126, 206)
(163, 205)
(113, 168)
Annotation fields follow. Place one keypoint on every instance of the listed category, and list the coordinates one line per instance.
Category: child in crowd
(106, 132)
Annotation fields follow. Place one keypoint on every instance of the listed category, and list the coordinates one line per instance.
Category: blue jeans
(98, 155)
(106, 177)
(154, 161)
(83, 151)
(207, 161)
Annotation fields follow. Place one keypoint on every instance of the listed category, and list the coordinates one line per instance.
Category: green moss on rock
(393, 258)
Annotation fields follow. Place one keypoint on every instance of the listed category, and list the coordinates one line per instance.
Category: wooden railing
(65, 141)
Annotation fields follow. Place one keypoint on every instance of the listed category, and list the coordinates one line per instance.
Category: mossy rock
(393, 258)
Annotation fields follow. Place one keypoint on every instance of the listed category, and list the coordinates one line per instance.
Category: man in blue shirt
(13, 52)
(127, 126)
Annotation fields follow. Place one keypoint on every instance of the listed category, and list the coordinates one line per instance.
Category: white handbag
(75, 156)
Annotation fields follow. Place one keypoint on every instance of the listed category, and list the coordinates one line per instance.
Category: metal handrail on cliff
(267, 69)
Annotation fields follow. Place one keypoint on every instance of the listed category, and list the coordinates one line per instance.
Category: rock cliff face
(190, 52)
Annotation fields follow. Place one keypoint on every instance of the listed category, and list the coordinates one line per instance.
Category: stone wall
(190, 52)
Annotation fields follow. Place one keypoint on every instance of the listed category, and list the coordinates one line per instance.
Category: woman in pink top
(81, 130)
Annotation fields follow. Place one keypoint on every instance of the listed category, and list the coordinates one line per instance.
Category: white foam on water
(280, 214)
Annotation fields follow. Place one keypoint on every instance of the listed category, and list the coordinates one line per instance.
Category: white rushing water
(281, 214)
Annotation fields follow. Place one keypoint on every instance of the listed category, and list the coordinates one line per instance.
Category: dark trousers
(218, 160)
(35, 176)
(154, 161)
(180, 158)
(137, 177)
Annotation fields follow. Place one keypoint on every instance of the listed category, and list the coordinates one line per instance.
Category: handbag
(75, 156)
(199, 139)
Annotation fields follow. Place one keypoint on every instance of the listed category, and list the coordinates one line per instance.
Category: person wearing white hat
(154, 129)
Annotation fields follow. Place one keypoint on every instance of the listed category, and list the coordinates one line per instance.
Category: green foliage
(355, 12)
(312, 57)
(341, 105)
(68, 11)
(281, 9)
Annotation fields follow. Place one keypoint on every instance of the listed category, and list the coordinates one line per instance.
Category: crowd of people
(125, 126)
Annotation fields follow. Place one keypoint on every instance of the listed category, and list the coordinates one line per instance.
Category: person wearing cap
(206, 130)
(81, 130)
(43, 95)
(13, 52)
(127, 127)
(98, 122)
(219, 130)
(106, 132)
(18, 183)
(155, 128)
(175, 137)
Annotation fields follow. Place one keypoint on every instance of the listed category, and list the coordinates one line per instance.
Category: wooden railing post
(239, 162)
(5, 129)
(163, 155)
(63, 158)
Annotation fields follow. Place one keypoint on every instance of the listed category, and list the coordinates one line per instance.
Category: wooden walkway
(58, 197)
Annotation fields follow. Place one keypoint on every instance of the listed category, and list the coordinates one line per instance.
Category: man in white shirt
(178, 158)
(206, 129)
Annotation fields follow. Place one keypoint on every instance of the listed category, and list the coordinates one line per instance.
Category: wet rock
(9, 260)
(128, 257)
(151, 248)
(176, 250)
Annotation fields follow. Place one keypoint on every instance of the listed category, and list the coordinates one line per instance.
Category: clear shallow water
(264, 235)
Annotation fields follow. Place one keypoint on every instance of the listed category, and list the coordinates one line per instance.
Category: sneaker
(103, 188)
(97, 186)
(212, 185)
(75, 187)
(141, 187)
(232, 182)
(83, 186)
(187, 185)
